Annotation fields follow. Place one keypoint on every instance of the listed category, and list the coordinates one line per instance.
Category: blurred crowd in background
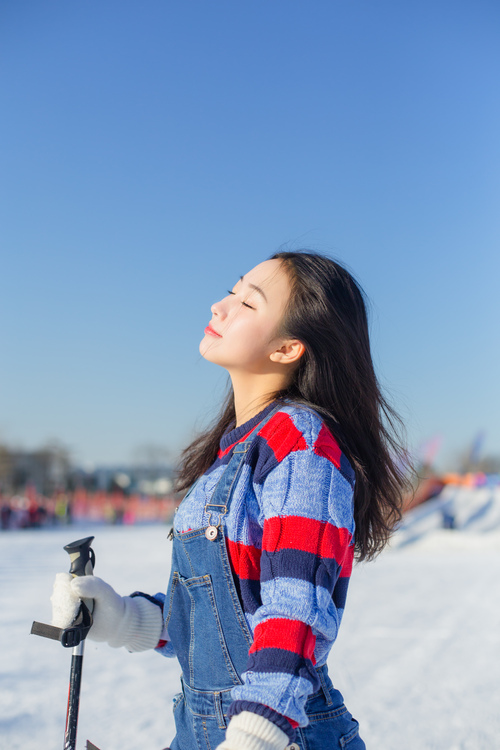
(42, 488)
(31, 510)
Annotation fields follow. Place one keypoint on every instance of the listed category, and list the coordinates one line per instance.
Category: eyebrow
(254, 286)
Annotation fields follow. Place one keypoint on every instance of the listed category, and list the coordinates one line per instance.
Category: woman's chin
(206, 349)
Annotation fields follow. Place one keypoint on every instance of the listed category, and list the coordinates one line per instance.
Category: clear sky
(152, 152)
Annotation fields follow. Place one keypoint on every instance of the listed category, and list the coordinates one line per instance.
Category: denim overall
(211, 637)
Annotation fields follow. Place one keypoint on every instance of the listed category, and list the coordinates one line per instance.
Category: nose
(219, 309)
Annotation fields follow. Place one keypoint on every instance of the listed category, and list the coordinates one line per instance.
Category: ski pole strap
(68, 637)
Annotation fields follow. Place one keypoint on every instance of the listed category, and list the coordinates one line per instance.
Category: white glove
(249, 731)
(133, 622)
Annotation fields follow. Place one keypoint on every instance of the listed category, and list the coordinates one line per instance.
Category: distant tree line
(46, 468)
(50, 469)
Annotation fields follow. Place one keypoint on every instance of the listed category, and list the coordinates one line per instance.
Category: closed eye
(245, 304)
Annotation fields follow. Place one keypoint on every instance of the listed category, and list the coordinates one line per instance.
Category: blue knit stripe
(280, 661)
(285, 694)
(299, 600)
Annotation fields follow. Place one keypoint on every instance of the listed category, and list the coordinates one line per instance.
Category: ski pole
(82, 563)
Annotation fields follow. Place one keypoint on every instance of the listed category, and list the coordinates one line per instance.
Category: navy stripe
(347, 470)
(271, 660)
(250, 596)
(261, 459)
(237, 433)
(340, 592)
(293, 563)
(249, 593)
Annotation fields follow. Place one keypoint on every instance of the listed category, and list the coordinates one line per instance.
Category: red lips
(211, 331)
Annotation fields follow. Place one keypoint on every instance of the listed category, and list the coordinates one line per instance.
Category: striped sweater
(289, 534)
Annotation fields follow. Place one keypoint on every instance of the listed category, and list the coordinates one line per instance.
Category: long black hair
(335, 377)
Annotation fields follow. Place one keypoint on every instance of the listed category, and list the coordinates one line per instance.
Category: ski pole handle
(82, 557)
(82, 563)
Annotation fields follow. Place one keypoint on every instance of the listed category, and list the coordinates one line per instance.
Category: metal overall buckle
(211, 532)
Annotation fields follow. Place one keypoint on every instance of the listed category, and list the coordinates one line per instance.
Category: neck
(253, 393)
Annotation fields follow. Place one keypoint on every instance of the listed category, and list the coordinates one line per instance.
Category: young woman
(298, 476)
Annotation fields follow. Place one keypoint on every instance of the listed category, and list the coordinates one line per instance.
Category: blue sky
(153, 152)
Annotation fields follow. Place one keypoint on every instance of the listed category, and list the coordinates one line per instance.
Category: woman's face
(242, 333)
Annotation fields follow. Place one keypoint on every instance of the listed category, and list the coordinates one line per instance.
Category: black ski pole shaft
(82, 563)
(75, 681)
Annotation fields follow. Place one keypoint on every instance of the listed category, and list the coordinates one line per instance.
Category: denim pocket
(330, 723)
(352, 740)
(177, 699)
(332, 731)
(326, 703)
(202, 644)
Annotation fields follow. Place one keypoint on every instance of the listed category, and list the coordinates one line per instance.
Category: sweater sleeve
(306, 561)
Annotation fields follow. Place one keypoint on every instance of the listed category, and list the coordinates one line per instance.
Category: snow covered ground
(417, 658)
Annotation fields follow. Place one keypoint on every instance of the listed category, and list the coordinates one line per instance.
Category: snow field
(416, 658)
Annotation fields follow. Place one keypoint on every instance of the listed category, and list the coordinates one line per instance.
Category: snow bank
(473, 513)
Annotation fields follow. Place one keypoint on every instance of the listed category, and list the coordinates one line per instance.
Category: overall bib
(211, 638)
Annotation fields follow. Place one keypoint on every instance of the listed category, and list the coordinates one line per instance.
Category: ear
(289, 353)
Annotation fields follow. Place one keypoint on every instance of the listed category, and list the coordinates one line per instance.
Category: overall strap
(221, 496)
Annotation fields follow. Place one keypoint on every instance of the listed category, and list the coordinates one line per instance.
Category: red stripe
(347, 562)
(244, 559)
(308, 535)
(282, 436)
(289, 635)
(327, 446)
